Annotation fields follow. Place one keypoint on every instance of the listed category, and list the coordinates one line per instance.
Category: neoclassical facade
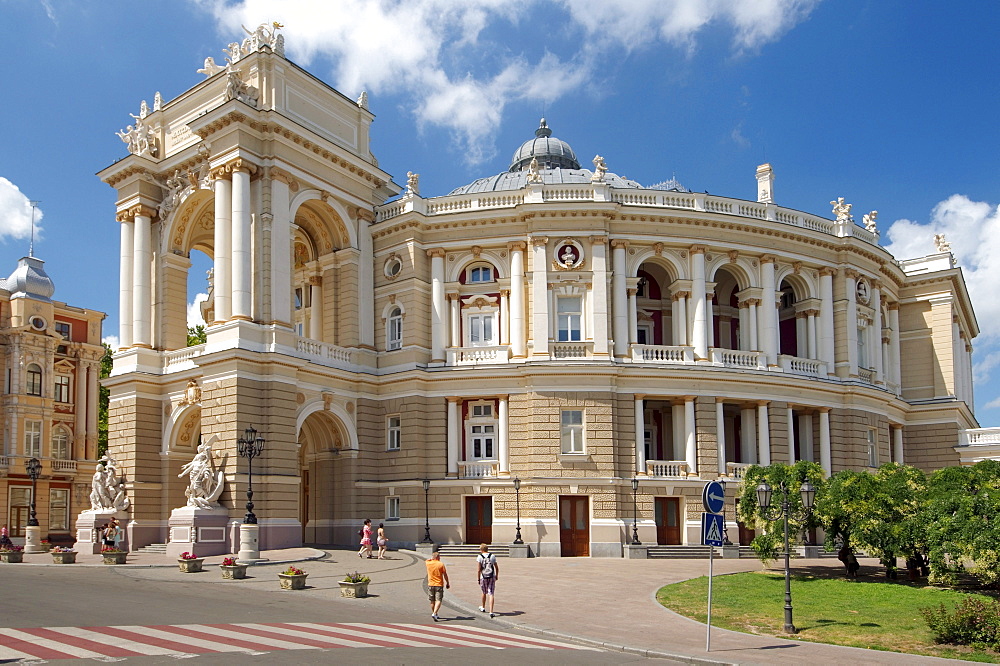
(561, 326)
(50, 359)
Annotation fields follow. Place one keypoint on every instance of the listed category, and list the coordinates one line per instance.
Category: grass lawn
(875, 615)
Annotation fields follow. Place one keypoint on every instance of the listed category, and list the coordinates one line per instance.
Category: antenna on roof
(31, 244)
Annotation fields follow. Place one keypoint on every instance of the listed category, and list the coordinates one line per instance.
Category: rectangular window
(59, 509)
(481, 330)
(481, 274)
(62, 388)
(483, 439)
(34, 380)
(569, 313)
(33, 439)
(482, 411)
(392, 508)
(393, 433)
(572, 431)
(872, 441)
(394, 330)
(298, 298)
(64, 329)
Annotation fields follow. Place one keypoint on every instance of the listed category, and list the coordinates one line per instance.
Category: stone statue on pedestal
(205, 482)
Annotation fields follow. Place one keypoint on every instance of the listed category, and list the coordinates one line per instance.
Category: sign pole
(713, 526)
(708, 625)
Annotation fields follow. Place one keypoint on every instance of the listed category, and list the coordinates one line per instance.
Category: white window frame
(572, 431)
(872, 444)
(476, 270)
(394, 328)
(33, 380)
(480, 319)
(393, 432)
(59, 446)
(570, 317)
(62, 382)
(68, 335)
(482, 426)
(392, 508)
(59, 509)
(33, 439)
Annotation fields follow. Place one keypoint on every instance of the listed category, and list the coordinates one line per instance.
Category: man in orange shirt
(437, 581)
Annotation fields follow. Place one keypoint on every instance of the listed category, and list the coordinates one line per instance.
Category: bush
(975, 622)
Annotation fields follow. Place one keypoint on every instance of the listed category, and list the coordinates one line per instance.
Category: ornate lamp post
(427, 515)
(34, 469)
(250, 446)
(808, 493)
(517, 499)
(635, 527)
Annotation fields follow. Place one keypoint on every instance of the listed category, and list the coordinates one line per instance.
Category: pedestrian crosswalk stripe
(248, 638)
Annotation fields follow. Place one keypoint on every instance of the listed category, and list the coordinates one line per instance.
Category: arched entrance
(324, 447)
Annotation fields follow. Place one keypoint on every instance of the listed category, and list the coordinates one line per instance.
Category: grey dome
(29, 280)
(551, 153)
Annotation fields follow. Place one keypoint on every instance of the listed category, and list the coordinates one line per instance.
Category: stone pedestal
(198, 531)
(809, 551)
(425, 549)
(249, 543)
(519, 550)
(33, 539)
(728, 552)
(639, 552)
(88, 530)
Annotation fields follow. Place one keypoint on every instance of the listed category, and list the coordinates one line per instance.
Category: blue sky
(891, 105)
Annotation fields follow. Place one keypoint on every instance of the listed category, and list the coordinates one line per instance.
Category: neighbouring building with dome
(512, 354)
(50, 359)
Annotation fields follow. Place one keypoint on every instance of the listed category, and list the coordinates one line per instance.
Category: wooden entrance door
(18, 520)
(574, 526)
(667, 512)
(478, 520)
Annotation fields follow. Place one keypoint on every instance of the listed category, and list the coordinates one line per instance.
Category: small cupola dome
(551, 153)
(29, 280)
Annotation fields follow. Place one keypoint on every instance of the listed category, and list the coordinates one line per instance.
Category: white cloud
(111, 341)
(992, 404)
(422, 49)
(15, 212)
(194, 317)
(737, 136)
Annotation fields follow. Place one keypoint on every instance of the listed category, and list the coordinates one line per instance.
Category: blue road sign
(711, 529)
(714, 497)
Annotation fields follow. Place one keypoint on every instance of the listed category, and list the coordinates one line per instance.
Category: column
(241, 242)
(690, 437)
(679, 317)
(222, 284)
(80, 411)
(505, 316)
(897, 444)
(699, 336)
(677, 437)
(315, 307)
(720, 435)
(454, 308)
(752, 329)
(825, 456)
(801, 335)
(806, 437)
(709, 297)
(876, 303)
(599, 295)
(366, 280)
(437, 305)
(640, 435)
(454, 435)
(619, 298)
(748, 439)
(93, 377)
(826, 338)
(503, 435)
(540, 295)
(769, 323)
(142, 258)
(894, 368)
(968, 368)
(279, 229)
(790, 424)
(851, 285)
(125, 283)
(517, 311)
(811, 333)
(744, 333)
(633, 316)
(763, 434)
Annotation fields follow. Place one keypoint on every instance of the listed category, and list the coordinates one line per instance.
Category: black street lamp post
(250, 446)
(427, 515)
(34, 469)
(808, 493)
(517, 499)
(635, 528)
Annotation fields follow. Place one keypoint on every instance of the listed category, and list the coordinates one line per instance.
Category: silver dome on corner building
(551, 153)
(29, 280)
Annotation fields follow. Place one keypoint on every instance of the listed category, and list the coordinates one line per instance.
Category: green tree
(104, 397)
(960, 514)
(196, 335)
(769, 542)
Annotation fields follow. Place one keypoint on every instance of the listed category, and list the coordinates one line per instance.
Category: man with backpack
(487, 572)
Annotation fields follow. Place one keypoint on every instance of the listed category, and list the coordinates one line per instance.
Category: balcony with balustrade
(736, 470)
(662, 354)
(565, 351)
(494, 355)
(796, 365)
(738, 358)
(977, 444)
(478, 469)
(667, 469)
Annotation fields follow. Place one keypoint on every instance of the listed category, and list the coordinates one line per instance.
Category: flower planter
(353, 590)
(191, 566)
(12, 556)
(114, 558)
(235, 571)
(64, 558)
(292, 582)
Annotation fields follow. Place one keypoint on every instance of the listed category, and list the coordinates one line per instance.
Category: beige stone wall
(707, 438)
(923, 445)
(134, 440)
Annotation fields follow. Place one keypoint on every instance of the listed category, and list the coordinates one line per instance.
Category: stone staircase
(471, 549)
(678, 552)
(154, 549)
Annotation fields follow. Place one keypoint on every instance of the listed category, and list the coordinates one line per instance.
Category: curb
(317, 555)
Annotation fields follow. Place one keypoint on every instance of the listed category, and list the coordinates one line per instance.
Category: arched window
(479, 273)
(60, 444)
(394, 329)
(34, 379)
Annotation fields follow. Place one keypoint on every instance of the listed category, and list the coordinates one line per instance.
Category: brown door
(668, 521)
(18, 520)
(478, 520)
(574, 526)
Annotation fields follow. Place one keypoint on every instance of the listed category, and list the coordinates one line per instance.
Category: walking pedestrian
(366, 539)
(117, 534)
(437, 581)
(381, 541)
(107, 536)
(487, 572)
